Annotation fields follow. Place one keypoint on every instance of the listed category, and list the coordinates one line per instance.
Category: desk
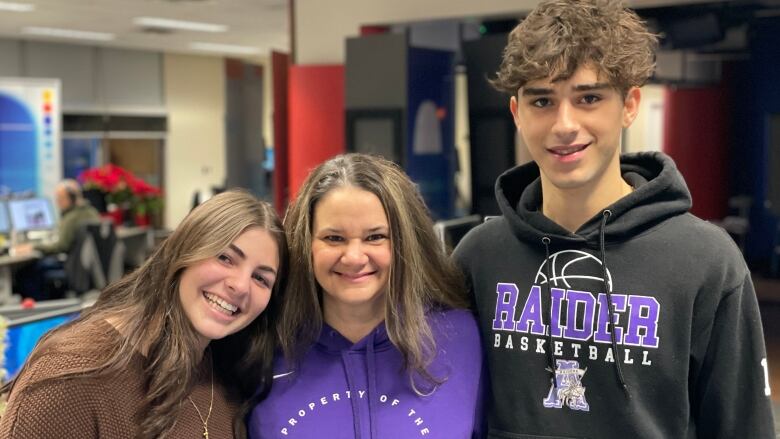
(138, 242)
(6, 279)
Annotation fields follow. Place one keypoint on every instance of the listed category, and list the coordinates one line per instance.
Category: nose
(354, 254)
(566, 124)
(238, 282)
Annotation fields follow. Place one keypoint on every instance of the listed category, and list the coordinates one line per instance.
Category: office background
(188, 121)
(326, 77)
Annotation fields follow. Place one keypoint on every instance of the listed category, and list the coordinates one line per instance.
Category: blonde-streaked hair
(146, 307)
(421, 278)
(559, 36)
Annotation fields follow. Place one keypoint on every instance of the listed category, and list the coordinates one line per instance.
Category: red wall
(696, 136)
(316, 119)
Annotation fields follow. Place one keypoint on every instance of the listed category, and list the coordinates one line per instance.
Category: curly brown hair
(559, 36)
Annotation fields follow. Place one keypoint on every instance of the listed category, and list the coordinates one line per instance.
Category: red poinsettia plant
(110, 179)
(146, 197)
(122, 187)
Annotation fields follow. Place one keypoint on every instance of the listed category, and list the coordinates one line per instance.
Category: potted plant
(122, 194)
(146, 201)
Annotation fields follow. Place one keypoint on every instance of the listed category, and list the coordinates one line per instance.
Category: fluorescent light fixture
(16, 7)
(166, 23)
(68, 33)
(225, 48)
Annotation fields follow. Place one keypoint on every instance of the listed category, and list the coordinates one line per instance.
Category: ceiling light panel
(225, 48)
(167, 23)
(68, 33)
(16, 7)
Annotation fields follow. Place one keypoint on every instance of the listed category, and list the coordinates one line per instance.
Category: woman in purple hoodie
(376, 337)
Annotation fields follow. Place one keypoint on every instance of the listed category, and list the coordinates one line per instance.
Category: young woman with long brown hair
(178, 348)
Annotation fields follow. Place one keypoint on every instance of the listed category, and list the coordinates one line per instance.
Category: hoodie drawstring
(607, 290)
(353, 396)
(372, 391)
(547, 304)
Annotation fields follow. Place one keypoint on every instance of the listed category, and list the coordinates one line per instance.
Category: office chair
(451, 231)
(96, 259)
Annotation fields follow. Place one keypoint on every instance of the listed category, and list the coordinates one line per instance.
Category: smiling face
(351, 251)
(572, 128)
(222, 295)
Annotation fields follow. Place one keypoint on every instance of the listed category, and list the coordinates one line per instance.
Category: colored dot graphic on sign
(47, 113)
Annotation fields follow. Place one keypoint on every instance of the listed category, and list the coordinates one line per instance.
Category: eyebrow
(337, 230)
(536, 91)
(241, 255)
(238, 251)
(542, 91)
(589, 87)
(267, 269)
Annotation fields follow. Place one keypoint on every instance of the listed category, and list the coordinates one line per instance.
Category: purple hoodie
(346, 390)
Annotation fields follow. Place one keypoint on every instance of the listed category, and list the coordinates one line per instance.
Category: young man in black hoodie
(607, 309)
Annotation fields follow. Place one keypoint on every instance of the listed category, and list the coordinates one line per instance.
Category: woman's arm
(51, 409)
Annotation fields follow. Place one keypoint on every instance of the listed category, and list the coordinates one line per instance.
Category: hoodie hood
(659, 193)
(331, 341)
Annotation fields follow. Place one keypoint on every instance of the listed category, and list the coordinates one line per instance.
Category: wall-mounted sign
(30, 128)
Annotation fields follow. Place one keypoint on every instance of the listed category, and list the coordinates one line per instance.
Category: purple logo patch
(569, 389)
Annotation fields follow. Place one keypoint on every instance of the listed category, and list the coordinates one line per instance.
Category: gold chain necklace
(211, 403)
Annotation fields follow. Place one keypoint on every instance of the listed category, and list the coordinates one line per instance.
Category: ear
(631, 106)
(513, 108)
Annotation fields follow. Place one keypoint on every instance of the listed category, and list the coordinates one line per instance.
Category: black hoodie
(687, 357)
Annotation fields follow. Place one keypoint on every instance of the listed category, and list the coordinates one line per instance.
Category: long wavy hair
(559, 36)
(421, 278)
(146, 308)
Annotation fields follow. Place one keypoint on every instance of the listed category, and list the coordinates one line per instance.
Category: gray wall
(94, 79)
(376, 72)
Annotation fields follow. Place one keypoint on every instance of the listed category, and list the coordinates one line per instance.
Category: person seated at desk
(75, 212)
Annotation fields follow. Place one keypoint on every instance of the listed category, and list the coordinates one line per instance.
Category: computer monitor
(5, 223)
(27, 326)
(31, 214)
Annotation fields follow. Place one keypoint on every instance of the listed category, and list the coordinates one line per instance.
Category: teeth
(569, 150)
(221, 303)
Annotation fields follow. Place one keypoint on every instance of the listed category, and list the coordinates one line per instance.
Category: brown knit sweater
(101, 407)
